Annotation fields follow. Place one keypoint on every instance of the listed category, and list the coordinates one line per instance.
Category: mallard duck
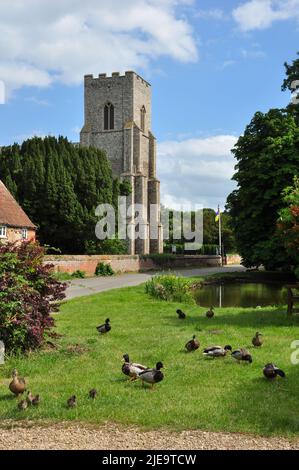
(132, 369)
(210, 313)
(72, 402)
(193, 344)
(242, 355)
(257, 340)
(18, 384)
(181, 314)
(217, 351)
(270, 371)
(93, 393)
(152, 376)
(102, 329)
(22, 405)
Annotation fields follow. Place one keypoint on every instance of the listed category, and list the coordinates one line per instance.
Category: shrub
(103, 269)
(79, 274)
(170, 288)
(62, 276)
(29, 293)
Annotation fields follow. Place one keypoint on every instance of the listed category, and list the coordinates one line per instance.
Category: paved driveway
(82, 287)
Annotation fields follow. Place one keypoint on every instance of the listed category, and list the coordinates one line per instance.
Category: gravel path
(75, 436)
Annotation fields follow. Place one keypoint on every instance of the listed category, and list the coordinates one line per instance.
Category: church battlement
(104, 76)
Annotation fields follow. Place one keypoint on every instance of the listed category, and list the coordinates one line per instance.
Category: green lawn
(218, 395)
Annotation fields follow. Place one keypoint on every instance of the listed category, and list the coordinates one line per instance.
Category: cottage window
(108, 117)
(3, 231)
(24, 233)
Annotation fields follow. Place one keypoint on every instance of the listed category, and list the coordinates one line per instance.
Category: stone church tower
(118, 120)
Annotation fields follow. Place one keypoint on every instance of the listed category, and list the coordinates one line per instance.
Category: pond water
(241, 295)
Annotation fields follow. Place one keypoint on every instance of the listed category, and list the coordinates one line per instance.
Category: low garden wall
(127, 263)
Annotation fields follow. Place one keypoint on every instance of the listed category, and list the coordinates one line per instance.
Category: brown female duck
(193, 344)
(18, 385)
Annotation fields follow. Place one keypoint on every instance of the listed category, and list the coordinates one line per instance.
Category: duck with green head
(152, 376)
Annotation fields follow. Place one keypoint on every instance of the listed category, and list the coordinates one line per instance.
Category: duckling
(102, 329)
(210, 313)
(23, 405)
(270, 371)
(132, 369)
(93, 393)
(181, 314)
(30, 398)
(36, 400)
(193, 344)
(18, 384)
(257, 340)
(242, 355)
(217, 351)
(72, 402)
(152, 376)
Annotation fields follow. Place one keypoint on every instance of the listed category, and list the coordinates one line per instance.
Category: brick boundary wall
(125, 263)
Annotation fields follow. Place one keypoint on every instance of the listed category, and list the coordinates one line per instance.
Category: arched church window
(108, 117)
(142, 118)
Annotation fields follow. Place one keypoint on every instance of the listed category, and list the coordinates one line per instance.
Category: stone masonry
(130, 147)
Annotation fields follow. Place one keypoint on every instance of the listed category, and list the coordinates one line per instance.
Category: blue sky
(212, 64)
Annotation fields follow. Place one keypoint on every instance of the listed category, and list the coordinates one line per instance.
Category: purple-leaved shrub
(29, 293)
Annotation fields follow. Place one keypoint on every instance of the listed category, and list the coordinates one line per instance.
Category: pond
(241, 295)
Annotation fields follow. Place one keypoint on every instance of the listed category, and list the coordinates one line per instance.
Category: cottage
(15, 225)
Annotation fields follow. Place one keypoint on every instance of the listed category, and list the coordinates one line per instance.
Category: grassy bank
(196, 393)
(251, 277)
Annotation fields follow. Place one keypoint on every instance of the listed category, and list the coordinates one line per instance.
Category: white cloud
(260, 14)
(196, 171)
(61, 40)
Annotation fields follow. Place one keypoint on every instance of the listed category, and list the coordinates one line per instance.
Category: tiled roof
(11, 214)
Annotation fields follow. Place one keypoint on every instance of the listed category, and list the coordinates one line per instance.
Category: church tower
(118, 120)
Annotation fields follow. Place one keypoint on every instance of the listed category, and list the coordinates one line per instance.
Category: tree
(268, 158)
(288, 223)
(291, 82)
(60, 185)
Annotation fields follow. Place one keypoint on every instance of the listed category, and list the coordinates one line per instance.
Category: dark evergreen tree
(60, 185)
